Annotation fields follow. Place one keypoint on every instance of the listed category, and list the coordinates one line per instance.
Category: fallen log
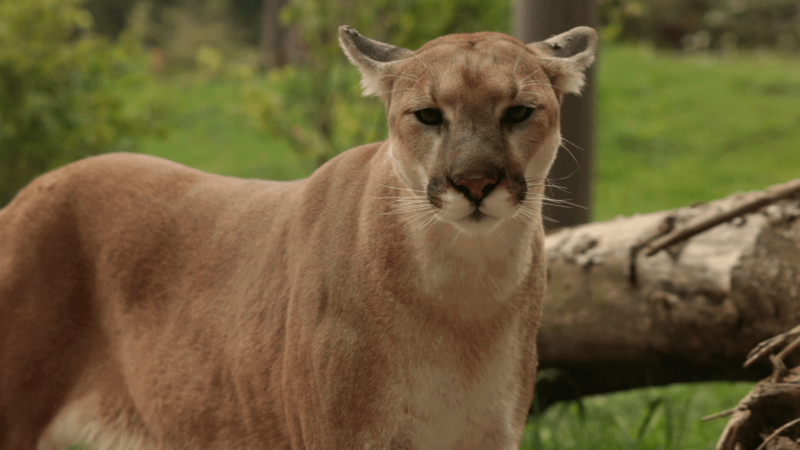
(630, 305)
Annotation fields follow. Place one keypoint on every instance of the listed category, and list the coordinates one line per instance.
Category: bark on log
(616, 318)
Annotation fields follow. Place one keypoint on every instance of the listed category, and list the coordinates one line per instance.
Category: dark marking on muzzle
(434, 191)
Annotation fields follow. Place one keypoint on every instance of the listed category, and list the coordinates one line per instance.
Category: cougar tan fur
(389, 301)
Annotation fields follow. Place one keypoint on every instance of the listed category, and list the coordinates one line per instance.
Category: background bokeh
(696, 99)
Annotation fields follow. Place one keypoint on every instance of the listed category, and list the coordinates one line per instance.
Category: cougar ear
(567, 56)
(374, 59)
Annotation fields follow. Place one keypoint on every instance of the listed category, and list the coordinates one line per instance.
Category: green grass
(672, 130)
(665, 418)
(209, 131)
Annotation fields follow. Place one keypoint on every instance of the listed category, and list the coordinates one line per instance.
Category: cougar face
(468, 132)
(474, 118)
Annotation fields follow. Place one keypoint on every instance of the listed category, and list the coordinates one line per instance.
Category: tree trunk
(279, 44)
(616, 318)
(535, 20)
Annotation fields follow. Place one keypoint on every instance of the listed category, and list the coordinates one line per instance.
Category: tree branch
(766, 197)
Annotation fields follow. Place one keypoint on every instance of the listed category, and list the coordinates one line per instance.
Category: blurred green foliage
(112, 17)
(316, 106)
(57, 102)
(318, 110)
(183, 35)
(704, 24)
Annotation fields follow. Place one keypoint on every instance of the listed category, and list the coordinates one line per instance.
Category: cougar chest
(452, 397)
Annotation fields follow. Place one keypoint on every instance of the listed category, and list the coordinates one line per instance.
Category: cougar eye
(429, 116)
(517, 114)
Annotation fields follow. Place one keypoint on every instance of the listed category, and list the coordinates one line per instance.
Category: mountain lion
(389, 301)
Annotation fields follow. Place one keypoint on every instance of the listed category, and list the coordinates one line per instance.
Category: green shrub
(57, 98)
(317, 107)
(192, 34)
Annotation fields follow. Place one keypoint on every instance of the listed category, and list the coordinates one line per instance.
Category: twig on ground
(770, 344)
(776, 433)
(789, 348)
(725, 413)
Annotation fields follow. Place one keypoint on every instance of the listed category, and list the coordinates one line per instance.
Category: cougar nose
(475, 186)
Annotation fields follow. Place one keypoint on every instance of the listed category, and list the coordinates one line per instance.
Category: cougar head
(474, 118)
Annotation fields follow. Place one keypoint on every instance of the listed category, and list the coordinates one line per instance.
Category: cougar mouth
(477, 215)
